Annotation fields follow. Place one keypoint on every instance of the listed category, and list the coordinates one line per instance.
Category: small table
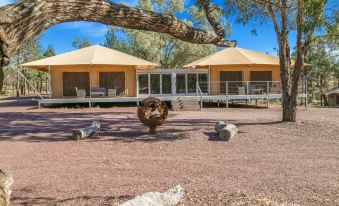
(98, 91)
(257, 91)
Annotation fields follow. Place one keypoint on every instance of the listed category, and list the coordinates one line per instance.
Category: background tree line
(169, 52)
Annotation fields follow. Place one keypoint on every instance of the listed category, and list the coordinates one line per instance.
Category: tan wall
(246, 72)
(332, 99)
(57, 84)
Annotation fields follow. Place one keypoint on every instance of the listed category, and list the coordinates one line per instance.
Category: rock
(92, 130)
(219, 126)
(170, 198)
(5, 188)
(228, 132)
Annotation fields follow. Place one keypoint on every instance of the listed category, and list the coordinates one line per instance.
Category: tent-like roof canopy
(236, 56)
(332, 91)
(93, 55)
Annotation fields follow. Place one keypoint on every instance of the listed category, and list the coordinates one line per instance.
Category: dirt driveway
(268, 160)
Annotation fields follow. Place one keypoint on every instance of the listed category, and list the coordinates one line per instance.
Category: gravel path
(268, 162)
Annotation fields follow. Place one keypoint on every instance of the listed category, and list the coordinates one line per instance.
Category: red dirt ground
(283, 162)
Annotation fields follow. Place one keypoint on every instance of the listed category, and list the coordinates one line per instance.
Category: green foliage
(81, 43)
(30, 52)
(159, 48)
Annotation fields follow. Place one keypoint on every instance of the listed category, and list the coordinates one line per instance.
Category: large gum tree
(26, 19)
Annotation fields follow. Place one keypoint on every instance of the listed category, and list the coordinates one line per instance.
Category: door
(70, 80)
(337, 99)
(257, 76)
(113, 80)
(259, 80)
(234, 79)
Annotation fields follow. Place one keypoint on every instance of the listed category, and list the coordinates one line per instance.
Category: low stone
(219, 126)
(5, 188)
(170, 198)
(228, 132)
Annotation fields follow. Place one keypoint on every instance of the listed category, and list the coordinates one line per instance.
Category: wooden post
(49, 82)
(226, 94)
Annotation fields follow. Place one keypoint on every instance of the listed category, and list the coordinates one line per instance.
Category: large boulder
(225, 131)
(170, 198)
(5, 188)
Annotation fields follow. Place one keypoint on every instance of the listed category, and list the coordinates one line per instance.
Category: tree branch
(25, 20)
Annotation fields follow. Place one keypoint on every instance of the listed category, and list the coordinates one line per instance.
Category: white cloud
(89, 29)
(6, 2)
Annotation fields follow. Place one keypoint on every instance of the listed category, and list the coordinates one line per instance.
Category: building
(333, 97)
(97, 74)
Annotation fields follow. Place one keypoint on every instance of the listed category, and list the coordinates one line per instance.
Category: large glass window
(192, 83)
(143, 83)
(155, 83)
(203, 82)
(181, 83)
(166, 84)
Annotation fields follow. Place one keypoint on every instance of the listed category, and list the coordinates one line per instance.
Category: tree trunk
(22, 21)
(2, 76)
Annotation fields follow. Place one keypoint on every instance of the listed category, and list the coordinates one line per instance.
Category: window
(261, 76)
(192, 83)
(143, 83)
(166, 84)
(181, 83)
(113, 80)
(233, 78)
(71, 80)
(203, 82)
(155, 83)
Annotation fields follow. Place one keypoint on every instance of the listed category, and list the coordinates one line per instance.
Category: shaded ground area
(268, 161)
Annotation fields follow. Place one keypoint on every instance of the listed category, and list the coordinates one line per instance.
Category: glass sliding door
(192, 83)
(155, 83)
(203, 82)
(166, 84)
(143, 83)
(181, 83)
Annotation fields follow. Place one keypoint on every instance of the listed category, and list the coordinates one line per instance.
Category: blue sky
(62, 35)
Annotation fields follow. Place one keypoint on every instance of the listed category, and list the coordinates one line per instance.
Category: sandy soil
(268, 162)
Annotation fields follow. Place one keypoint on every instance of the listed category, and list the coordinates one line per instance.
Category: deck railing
(243, 87)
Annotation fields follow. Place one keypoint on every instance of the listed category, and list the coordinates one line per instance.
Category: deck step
(185, 104)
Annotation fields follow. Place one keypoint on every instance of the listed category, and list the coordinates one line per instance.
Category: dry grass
(268, 163)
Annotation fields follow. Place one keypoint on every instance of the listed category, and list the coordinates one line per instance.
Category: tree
(26, 19)
(31, 51)
(323, 72)
(49, 52)
(166, 50)
(81, 43)
(307, 18)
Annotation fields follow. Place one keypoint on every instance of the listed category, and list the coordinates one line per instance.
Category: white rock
(170, 198)
(228, 132)
(219, 126)
(5, 188)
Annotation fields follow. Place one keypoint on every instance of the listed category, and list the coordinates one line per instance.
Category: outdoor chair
(242, 90)
(111, 93)
(81, 93)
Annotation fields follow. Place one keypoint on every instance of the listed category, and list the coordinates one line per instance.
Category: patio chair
(111, 93)
(242, 90)
(81, 93)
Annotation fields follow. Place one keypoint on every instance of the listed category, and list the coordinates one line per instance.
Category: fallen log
(225, 131)
(172, 197)
(92, 130)
(5, 188)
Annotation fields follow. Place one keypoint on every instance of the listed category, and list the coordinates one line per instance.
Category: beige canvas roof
(93, 55)
(236, 56)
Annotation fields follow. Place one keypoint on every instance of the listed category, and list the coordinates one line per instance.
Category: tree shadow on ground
(103, 200)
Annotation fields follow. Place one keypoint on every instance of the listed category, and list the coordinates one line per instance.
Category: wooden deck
(137, 100)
